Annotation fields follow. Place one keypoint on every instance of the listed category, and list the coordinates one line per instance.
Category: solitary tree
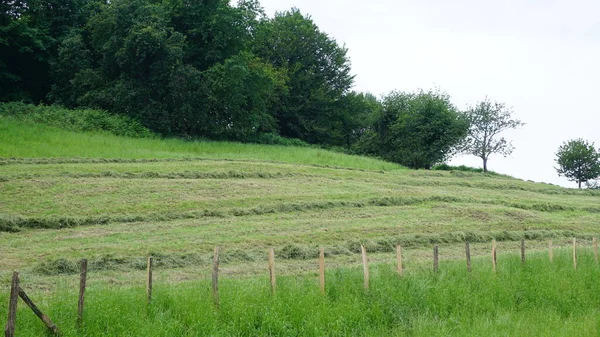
(486, 120)
(578, 160)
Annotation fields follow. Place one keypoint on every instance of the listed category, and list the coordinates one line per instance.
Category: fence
(16, 291)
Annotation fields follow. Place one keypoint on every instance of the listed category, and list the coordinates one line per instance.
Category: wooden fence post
(47, 321)
(494, 256)
(9, 330)
(82, 285)
(149, 280)
(575, 253)
(272, 270)
(322, 270)
(399, 259)
(215, 277)
(468, 254)
(435, 258)
(595, 244)
(365, 266)
(522, 251)
(550, 251)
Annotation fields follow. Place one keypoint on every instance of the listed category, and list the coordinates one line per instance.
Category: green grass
(143, 198)
(33, 140)
(538, 299)
(115, 200)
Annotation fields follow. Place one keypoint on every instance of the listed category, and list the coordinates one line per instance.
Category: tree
(486, 120)
(30, 32)
(241, 91)
(417, 130)
(578, 160)
(318, 72)
(358, 109)
(178, 66)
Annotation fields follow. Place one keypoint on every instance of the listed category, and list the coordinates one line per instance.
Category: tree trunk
(485, 165)
(579, 181)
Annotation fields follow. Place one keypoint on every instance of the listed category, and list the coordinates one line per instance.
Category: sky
(542, 58)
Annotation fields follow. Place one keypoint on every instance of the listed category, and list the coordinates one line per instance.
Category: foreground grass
(22, 139)
(538, 299)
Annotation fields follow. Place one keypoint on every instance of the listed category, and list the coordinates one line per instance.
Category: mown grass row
(239, 174)
(159, 175)
(13, 223)
(4, 161)
(386, 244)
(536, 299)
(504, 185)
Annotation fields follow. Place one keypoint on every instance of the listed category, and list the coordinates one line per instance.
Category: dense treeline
(210, 69)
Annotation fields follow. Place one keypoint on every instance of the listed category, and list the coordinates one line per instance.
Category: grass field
(113, 200)
(538, 299)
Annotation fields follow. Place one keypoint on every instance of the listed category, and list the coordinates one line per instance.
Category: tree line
(210, 69)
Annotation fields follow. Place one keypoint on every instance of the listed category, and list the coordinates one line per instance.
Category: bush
(463, 168)
(275, 139)
(76, 120)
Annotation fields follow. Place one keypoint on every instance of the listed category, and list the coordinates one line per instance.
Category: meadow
(536, 299)
(67, 195)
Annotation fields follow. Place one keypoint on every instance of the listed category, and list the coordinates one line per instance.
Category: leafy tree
(486, 121)
(241, 91)
(417, 130)
(578, 160)
(318, 72)
(30, 31)
(23, 54)
(138, 59)
(179, 67)
(214, 29)
(359, 109)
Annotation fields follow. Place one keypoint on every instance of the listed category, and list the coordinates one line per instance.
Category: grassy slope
(175, 207)
(246, 198)
(37, 140)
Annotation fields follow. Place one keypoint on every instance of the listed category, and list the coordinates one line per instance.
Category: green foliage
(208, 69)
(23, 59)
(462, 168)
(75, 120)
(417, 130)
(487, 120)
(276, 139)
(30, 32)
(318, 72)
(578, 160)
(241, 91)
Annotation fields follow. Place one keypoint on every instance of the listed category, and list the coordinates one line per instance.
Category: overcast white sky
(541, 57)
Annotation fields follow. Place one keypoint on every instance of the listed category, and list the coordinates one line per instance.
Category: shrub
(275, 139)
(76, 120)
(462, 168)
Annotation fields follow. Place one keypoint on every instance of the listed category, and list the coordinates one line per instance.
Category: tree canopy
(217, 70)
(417, 129)
(578, 160)
(486, 121)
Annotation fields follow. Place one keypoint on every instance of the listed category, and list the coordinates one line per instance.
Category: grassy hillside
(178, 200)
(114, 200)
(34, 140)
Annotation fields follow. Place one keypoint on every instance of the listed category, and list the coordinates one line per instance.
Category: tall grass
(537, 299)
(33, 140)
